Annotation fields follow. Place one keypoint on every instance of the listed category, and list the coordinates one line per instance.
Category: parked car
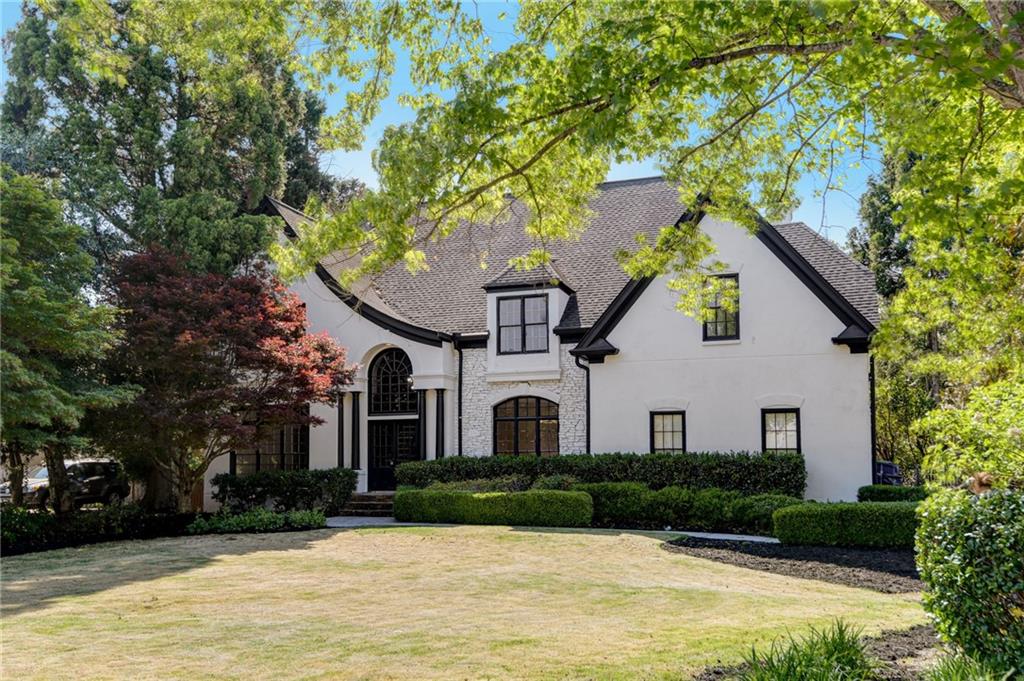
(887, 473)
(92, 481)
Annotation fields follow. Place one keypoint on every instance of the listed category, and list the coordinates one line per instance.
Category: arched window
(390, 385)
(526, 426)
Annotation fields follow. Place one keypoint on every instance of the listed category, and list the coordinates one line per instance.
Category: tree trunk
(15, 474)
(158, 495)
(61, 498)
(185, 483)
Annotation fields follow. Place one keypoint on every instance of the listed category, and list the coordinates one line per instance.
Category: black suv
(90, 481)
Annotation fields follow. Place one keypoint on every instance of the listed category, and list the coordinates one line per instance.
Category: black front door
(390, 443)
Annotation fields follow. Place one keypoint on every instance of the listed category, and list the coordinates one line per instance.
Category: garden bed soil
(883, 570)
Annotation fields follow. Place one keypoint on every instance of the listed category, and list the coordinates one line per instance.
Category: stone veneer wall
(479, 394)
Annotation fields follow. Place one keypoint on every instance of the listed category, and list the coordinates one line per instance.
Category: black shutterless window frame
(764, 429)
(725, 319)
(654, 415)
(521, 326)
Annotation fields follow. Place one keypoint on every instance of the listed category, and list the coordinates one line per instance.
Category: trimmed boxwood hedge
(538, 508)
(326, 489)
(744, 472)
(870, 524)
(891, 493)
(970, 551)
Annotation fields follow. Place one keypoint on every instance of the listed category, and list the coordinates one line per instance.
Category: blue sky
(832, 215)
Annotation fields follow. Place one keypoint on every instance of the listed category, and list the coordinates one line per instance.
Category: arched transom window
(390, 384)
(526, 426)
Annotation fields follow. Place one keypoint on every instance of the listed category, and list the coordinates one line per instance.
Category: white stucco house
(578, 358)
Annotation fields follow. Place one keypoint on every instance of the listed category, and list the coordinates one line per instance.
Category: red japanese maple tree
(215, 358)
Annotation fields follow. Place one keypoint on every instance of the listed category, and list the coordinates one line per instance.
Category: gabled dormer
(523, 309)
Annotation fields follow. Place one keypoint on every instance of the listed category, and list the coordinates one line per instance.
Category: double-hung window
(668, 432)
(780, 430)
(722, 319)
(522, 324)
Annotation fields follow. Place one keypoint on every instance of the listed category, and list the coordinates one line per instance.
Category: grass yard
(460, 602)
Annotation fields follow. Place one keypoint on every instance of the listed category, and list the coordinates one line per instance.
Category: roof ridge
(647, 178)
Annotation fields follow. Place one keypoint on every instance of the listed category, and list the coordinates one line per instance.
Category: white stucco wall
(784, 358)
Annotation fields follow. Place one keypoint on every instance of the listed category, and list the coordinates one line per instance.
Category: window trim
(667, 412)
(374, 387)
(764, 430)
(516, 419)
(522, 325)
(300, 456)
(704, 326)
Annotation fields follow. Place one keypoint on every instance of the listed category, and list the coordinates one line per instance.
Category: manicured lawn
(461, 602)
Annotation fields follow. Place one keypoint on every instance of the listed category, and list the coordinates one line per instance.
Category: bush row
(970, 552)
(326, 490)
(891, 493)
(744, 472)
(258, 520)
(540, 508)
(24, 531)
(630, 504)
(870, 524)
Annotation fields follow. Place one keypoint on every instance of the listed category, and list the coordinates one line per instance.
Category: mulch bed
(900, 654)
(885, 570)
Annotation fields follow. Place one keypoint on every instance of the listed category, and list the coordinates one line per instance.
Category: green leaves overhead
(737, 100)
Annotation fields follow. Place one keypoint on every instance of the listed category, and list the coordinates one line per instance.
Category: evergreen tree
(880, 241)
(155, 159)
(52, 336)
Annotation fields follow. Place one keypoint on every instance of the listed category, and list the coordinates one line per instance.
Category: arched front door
(393, 431)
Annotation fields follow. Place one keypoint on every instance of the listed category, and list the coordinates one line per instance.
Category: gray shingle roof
(545, 275)
(849, 278)
(448, 296)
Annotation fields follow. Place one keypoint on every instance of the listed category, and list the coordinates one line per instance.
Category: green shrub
(538, 508)
(506, 483)
(562, 482)
(835, 653)
(872, 524)
(669, 507)
(24, 531)
(970, 553)
(618, 504)
(754, 513)
(712, 510)
(891, 493)
(258, 520)
(748, 473)
(326, 490)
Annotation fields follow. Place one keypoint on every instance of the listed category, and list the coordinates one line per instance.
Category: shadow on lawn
(34, 581)
(664, 535)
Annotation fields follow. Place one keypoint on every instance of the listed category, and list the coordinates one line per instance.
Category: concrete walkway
(354, 521)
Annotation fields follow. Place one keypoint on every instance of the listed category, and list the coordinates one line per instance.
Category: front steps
(371, 505)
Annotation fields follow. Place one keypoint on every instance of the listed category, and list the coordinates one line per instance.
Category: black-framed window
(526, 426)
(522, 324)
(277, 448)
(721, 323)
(390, 385)
(780, 430)
(668, 431)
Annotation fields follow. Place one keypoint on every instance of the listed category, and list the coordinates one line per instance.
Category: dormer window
(522, 324)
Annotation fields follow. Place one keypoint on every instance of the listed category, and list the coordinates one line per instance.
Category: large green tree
(52, 336)
(154, 158)
(737, 100)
